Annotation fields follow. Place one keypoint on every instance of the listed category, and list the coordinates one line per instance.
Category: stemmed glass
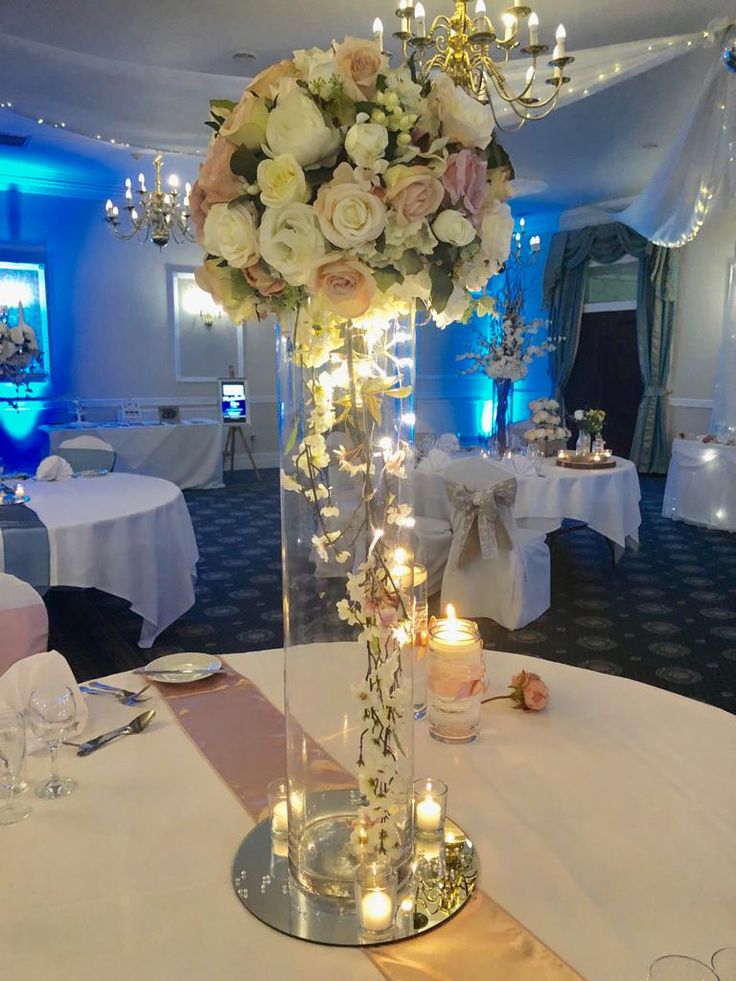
(12, 755)
(52, 713)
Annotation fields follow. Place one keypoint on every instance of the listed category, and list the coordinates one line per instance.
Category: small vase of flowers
(590, 425)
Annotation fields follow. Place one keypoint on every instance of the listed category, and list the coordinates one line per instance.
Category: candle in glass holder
(20, 492)
(430, 807)
(455, 679)
(278, 808)
(375, 897)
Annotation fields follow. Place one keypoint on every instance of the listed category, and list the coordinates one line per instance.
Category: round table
(604, 824)
(124, 534)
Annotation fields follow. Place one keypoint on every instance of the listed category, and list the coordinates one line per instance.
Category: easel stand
(232, 432)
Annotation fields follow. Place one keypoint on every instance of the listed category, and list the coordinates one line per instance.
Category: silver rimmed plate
(180, 669)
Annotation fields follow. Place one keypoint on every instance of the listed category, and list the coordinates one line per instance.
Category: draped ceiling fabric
(564, 292)
(149, 107)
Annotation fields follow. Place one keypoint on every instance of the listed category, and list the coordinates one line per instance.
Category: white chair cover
(54, 468)
(432, 540)
(448, 442)
(88, 453)
(86, 443)
(24, 623)
(495, 569)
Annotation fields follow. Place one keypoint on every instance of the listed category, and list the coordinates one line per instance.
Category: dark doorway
(606, 375)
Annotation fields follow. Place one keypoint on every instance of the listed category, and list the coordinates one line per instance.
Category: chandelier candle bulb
(533, 29)
(421, 20)
(377, 33)
(479, 23)
(560, 36)
(509, 22)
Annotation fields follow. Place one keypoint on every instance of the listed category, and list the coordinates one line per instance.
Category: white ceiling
(598, 149)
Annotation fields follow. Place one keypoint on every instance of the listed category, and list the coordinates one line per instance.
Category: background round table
(124, 534)
(604, 824)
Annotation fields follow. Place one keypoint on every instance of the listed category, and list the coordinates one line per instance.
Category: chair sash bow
(476, 522)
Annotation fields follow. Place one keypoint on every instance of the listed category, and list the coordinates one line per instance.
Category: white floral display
(337, 195)
(546, 422)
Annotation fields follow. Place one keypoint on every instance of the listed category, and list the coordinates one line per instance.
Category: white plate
(179, 662)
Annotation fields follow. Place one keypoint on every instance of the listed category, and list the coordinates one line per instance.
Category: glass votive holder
(430, 808)
(278, 808)
(375, 898)
(455, 679)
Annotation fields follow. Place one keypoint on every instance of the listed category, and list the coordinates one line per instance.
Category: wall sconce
(198, 303)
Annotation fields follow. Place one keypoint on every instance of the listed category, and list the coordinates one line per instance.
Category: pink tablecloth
(24, 625)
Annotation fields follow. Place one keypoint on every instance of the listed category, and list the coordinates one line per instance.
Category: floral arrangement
(338, 195)
(528, 692)
(18, 347)
(590, 421)
(546, 422)
(340, 180)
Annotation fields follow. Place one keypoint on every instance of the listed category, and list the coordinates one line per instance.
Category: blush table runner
(241, 734)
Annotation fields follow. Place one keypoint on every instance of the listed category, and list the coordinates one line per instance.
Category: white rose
(282, 181)
(230, 232)
(349, 214)
(450, 226)
(366, 143)
(463, 119)
(496, 230)
(319, 70)
(297, 126)
(578, 415)
(291, 241)
(456, 307)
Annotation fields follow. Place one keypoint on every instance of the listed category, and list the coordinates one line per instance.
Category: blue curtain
(564, 293)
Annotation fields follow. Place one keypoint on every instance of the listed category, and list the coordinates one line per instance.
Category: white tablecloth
(606, 500)
(125, 534)
(605, 824)
(701, 484)
(188, 454)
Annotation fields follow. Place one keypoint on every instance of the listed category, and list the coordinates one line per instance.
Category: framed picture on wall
(23, 308)
(206, 342)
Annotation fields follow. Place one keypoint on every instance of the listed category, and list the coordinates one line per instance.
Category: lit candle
(376, 911)
(533, 29)
(404, 19)
(142, 181)
(280, 818)
(108, 206)
(174, 182)
(421, 23)
(115, 211)
(378, 32)
(509, 22)
(455, 636)
(479, 24)
(128, 194)
(20, 492)
(560, 35)
(428, 815)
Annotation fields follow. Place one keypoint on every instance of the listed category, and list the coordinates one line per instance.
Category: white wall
(699, 321)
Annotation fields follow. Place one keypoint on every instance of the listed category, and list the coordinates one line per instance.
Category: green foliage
(441, 287)
(244, 163)
(386, 277)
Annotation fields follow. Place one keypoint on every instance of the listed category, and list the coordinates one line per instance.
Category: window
(612, 287)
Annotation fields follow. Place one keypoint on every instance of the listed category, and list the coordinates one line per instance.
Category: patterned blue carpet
(665, 615)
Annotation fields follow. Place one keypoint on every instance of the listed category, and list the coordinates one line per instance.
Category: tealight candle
(20, 492)
(430, 807)
(375, 896)
(279, 809)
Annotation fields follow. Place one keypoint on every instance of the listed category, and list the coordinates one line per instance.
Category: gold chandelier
(160, 215)
(473, 53)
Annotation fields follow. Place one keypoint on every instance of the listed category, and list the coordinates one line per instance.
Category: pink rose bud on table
(529, 692)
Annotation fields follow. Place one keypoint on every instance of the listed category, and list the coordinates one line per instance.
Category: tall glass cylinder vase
(346, 431)
(503, 394)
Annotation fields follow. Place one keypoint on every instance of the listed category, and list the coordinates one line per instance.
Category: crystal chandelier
(473, 53)
(525, 248)
(159, 215)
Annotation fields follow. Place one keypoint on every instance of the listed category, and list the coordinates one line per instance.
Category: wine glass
(12, 755)
(676, 967)
(724, 963)
(52, 712)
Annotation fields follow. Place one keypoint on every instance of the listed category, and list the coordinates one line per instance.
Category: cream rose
(450, 226)
(296, 125)
(343, 285)
(266, 83)
(463, 119)
(282, 181)
(230, 231)
(366, 143)
(246, 124)
(359, 62)
(496, 230)
(349, 213)
(220, 283)
(413, 193)
(291, 241)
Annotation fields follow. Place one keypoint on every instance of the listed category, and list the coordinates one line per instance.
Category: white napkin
(53, 468)
(434, 462)
(49, 669)
(448, 442)
(518, 465)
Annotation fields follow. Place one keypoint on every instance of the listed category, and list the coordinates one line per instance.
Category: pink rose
(343, 284)
(265, 82)
(216, 183)
(465, 182)
(530, 692)
(262, 279)
(359, 62)
(413, 193)
(245, 125)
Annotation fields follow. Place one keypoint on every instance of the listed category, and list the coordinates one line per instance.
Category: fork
(122, 694)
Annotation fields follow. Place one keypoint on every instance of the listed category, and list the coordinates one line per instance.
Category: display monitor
(234, 400)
